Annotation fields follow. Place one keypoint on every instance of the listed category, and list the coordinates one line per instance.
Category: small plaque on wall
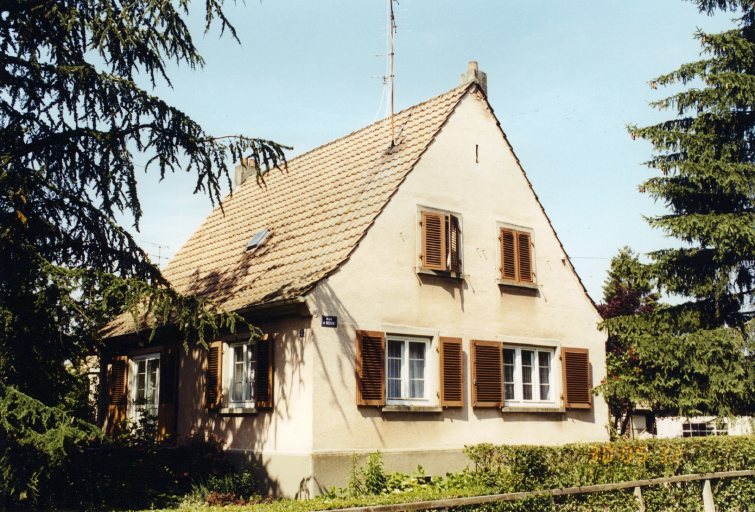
(330, 321)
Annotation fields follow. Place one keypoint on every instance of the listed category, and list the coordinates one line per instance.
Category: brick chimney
(243, 171)
(473, 74)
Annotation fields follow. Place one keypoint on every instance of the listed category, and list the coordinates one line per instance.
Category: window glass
(237, 391)
(416, 370)
(395, 352)
(544, 367)
(406, 362)
(527, 376)
(242, 373)
(527, 364)
(508, 373)
(146, 384)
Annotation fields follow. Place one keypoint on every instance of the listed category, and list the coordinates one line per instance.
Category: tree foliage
(74, 126)
(695, 356)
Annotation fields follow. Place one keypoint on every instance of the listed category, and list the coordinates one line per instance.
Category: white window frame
(229, 369)
(553, 381)
(431, 369)
(134, 414)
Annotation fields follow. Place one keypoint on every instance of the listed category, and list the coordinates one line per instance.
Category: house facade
(413, 298)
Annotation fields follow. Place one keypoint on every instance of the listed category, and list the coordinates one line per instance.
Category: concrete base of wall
(282, 475)
(303, 476)
(331, 469)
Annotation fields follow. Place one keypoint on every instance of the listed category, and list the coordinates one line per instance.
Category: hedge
(501, 469)
(524, 468)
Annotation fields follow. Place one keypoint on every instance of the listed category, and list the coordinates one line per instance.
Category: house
(645, 424)
(413, 298)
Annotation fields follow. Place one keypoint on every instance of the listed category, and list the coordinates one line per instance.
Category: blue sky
(564, 78)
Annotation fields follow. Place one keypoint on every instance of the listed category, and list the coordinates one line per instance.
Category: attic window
(258, 239)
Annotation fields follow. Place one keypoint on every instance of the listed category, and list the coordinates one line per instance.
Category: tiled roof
(317, 212)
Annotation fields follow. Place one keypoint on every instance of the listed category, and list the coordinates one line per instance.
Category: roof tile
(317, 211)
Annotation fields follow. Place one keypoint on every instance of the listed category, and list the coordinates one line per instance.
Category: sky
(564, 79)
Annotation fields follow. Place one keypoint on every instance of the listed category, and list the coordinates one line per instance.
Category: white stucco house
(414, 298)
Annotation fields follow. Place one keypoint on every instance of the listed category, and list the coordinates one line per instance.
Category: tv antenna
(391, 76)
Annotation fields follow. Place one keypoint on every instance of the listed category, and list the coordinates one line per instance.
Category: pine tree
(696, 356)
(73, 124)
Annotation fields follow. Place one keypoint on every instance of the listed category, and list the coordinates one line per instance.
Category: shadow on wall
(342, 370)
(251, 435)
(453, 287)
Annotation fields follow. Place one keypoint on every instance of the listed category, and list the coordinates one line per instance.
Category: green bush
(231, 488)
(135, 471)
(523, 468)
(36, 443)
(503, 469)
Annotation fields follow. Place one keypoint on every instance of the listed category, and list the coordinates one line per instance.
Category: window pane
(528, 357)
(153, 366)
(395, 354)
(249, 374)
(237, 380)
(141, 382)
(416, 370)
(544, 365)
(508, 373)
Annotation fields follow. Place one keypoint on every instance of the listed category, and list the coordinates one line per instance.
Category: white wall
(379, 286)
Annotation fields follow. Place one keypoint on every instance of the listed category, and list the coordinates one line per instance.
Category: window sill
(515, 284)
(557, 410)
(440, 273)
(412, 408)
(237, 411)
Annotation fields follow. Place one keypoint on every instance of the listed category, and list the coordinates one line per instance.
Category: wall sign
(329, 321)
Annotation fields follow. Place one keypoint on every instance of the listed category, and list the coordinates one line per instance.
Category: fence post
(640, 501)
(708, 504)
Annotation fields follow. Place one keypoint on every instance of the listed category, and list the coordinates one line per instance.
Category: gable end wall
(379, 286)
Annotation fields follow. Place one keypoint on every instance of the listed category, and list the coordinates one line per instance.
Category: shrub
(524, 468)
(232, 488)
(36, 442)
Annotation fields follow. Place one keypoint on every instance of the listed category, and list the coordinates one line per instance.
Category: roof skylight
(258, 239)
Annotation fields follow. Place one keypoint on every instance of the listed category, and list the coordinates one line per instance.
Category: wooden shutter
(168, 394)
(214, 376)
(433, 241)
(117, 388)
(508, 254)
(575, 367)
(451, 373)
(487, 369)
(263, 374)
(370, 368)
(524, 257)
(454, 245)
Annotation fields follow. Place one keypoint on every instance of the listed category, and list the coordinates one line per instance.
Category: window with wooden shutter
(524, 257)
(263, 379)
(168, 395)
(515, 249)
(454, 244)
(370, 368)
(433, 241)
(451, 373)
(214, 376)
(117, 394)
(487, 387)
(575, 366)
(441, 242)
